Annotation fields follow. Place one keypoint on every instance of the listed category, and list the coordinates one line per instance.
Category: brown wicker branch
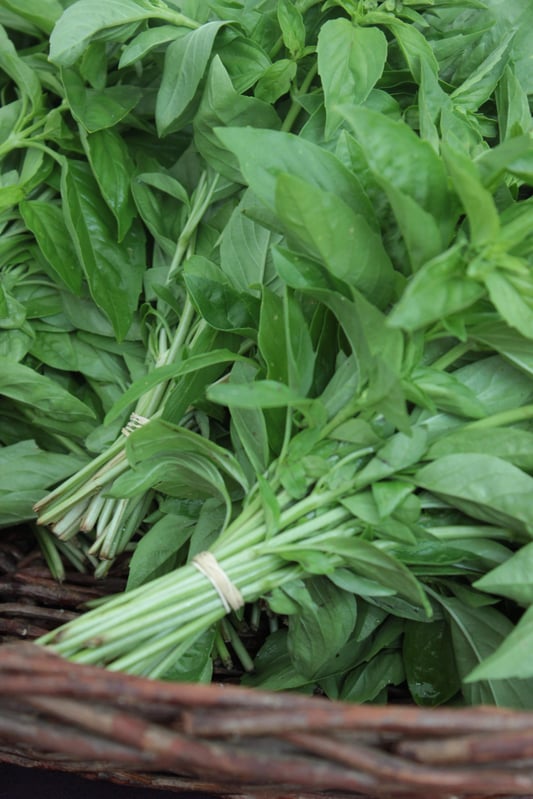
(247, 742)
(224, 739)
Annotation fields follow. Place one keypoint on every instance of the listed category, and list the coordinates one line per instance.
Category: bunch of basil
(265, 275)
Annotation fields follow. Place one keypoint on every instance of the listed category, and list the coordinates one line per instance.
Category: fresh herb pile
(266, 291)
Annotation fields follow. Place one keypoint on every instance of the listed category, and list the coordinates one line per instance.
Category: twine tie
(229, 594)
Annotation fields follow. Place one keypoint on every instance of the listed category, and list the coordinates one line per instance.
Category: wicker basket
(224, 739)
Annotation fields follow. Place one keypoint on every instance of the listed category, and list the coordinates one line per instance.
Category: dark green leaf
(429, 662)
(319, 630)
(367, 681)
(114, 272)
(476, 634)
(219, 303)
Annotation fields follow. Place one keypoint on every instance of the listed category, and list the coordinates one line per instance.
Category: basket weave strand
(227, 740)
(230, 736)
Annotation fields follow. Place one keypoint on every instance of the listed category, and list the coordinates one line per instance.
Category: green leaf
(511, 660)
(514, 116)
(156, 552)
(26, 79)
(419, 229)
(160, 437)
(476, 634)
(276, 80)
(43, 14)
(86, 18)
(141, 45)
(367, 681)
(477, 201)
(48, 397)
(399, 452)
(448, 393)
(244, 58)
(480, 84)
(411, 166)
(180, 475)
(245, 250)
(429, 662)
(26, 471)
(186, 61)
(273, 666)
(114, 272)
(371, 562)
(510, 294)
(508, 443)
(438, 290)
(259, 394)
(195, 664)
(327, 228)
(98, 109)
(292, 27)
(161, 374)
(112, 168)
(222, 106)
(513, 578)
(484, 486)
(513, 347)
(249, 424)
(321, 627)
(285, 153)
(219, 303)
(300, 354)
(271, 337)
(350, 62)
(415, 47)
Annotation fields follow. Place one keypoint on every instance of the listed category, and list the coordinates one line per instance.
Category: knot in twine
(229, 594)
(134, 422)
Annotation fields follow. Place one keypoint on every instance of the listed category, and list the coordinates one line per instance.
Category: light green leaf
(350, 62)
(328, 229)
(513, 579)
(259, 394)
(484, 486)
(292, 26)
(477, 201)
(289, 154)
(85, 18)
(511, 660)
(186, 60)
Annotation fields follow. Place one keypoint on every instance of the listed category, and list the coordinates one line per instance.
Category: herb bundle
(293, 241)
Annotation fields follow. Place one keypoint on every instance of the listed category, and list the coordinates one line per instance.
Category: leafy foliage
(266, 289)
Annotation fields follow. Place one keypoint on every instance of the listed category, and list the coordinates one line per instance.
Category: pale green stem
(451, 356)
(80, 477)
(512, 416)
(295, 106)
